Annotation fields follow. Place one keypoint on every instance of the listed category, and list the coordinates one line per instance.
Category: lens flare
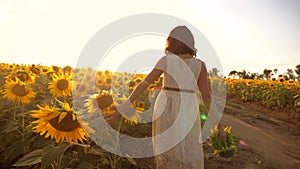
(203, 117)
(243, 143)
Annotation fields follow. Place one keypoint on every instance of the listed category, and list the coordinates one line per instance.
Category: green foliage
(268, 93)
(224, 148)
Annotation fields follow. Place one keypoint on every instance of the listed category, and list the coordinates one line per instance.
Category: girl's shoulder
(199, 60)
(201, 63)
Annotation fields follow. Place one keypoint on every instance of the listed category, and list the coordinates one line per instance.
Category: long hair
(181, 41)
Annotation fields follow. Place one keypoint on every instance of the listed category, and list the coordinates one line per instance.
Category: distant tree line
(290, 74)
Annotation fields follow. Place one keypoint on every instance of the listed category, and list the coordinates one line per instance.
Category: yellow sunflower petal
(67, 107)
(73, 117)
(53, 115)
(62, 116)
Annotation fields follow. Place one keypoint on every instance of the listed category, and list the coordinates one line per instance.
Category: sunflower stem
(78, 144)
(54, 101)
(23, 126)
(15, 112)
(23, 123)
(115, 157)
(59, 161)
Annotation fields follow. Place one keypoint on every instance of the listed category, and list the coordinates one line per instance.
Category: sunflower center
(108, 81)
(99, 82)
(88, 78)
(23, 76)
(62, 84)
(67, 69)
(81, 88)
(35, 70)
(104, 102)
(67, 124)
(19, 90)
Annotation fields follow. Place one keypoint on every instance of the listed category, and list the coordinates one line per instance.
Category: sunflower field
(40, 127)
(280, 93)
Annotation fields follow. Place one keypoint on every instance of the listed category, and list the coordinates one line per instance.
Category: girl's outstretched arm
(142, 86)
(150, 78)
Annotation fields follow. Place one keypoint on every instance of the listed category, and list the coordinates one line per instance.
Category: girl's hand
(112, 117)
(116, 115)
(222, 134)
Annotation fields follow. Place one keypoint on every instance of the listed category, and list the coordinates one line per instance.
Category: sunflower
(88, 74)
(107, 73)
(103, 101)
(60, 123)
(138, 80)
(132, 84)
(99, 82)
(108, 81)
(45, 70)
(35, 69)
(12, 66)
(132, 117)
(103, 79)
(61, 85)
(157, 81)
(81, 88)
(281, 80)
(227, 129)
(3, 71)
(81, 73)
(77, 75)
(68, 69)
(226, 148)
(23, 75)
(89, 77)
(289, 87)
(151, 87)
(18, 91)
(248, 83)
(2, 81)
(55, 69)
(139, 105)
(99, 73)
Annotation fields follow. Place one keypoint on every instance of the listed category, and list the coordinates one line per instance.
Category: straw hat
(183, 34)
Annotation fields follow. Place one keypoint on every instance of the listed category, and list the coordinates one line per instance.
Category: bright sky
(246, 34)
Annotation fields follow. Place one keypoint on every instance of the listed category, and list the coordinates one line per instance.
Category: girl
(176, 124)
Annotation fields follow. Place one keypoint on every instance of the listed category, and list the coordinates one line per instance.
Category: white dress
(176, 125)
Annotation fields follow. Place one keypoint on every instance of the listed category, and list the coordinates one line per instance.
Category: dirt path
(270, 143)
(274, 143)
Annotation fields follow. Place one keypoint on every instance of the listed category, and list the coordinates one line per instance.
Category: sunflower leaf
(85, 165)
(51, 153)
(31, 158)
(131, 160)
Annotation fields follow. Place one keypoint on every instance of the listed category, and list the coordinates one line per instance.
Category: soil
(267, 141)
(280, 113)
(271, 142)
